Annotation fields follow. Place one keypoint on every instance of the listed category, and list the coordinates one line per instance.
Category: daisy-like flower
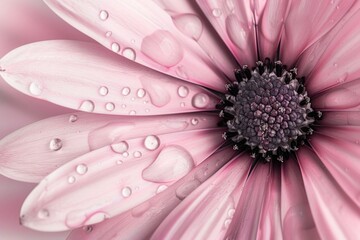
(211, 119)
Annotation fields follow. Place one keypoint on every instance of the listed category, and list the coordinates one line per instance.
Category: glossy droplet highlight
(35, 89)
(137, 154)
(115, 47)
(151, 142)
(81, 169)
(120, 147)
(71, 179)
(126, 192)
(73, 118)
(129, 53)
(172, 163)
(190, 25)
(132, 112)
(55, 144)
(87, 106)
(103, 91)
(110, 106)
(161, 188)
(140, 93)
(108, 34)
(162, 48)
(125, 91)
(216, 12)
(43, 213)
(200, 100)
(194, 121)
(183, 91)
(103, 15)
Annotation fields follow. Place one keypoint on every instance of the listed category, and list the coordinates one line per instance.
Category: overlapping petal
(342, 118)
(142, 31)
(110, 181)
(72, 135)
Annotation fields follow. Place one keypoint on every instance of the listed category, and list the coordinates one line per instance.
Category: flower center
(267, 111)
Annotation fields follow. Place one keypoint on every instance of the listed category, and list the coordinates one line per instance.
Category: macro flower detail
(198, 119)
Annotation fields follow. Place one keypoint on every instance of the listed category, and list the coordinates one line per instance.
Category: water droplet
(103, 15)
(108, 34)
(110, 106)
(147, 110)
(129, 53)
(231, 212)
(123, 105)
(55, 144)
(216, 12)
(115, 47)
(227, 223)
(132, 112)
(183, 91)
(137, 154)
(182, 104)
(81, 169)
(88, 229)
(126, 192)
(186, 188)
(161, 188)
(159, 96)
(120, 147)
(71, 179)
(119, 162)
(141, 93)
(87, 106)
(35, 89)
(172, 163)
(194, 121)
(103, 91)
(125, 91)
(180, 71)
(162, 47)
(43, 213)
(190, 25)
(125, 154)
(151, 142)
(200, 100)
(335, 65)
(73, 118)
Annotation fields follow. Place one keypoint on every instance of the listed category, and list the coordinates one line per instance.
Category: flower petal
(140, 222)
(346, 133)
(295, 209)
(207, 212)
(85, 76)
(300, 30)
(335, 214)
(234, 22)
(142, 31)
(246, 219)
(107, 182)
(341, 159)
(341, 118)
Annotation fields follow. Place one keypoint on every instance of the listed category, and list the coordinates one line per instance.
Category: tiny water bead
(141, 93)
(55, 144)
(126, 192)
(35, 89)
(267, 111)
(73, 118)
(87, 106)
(120, 147)
(103, 15)
(125, 91)
(115, 47)
(183, 91)
(81, 169)
(103, 91)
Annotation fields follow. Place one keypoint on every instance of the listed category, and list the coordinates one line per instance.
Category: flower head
(205, 120)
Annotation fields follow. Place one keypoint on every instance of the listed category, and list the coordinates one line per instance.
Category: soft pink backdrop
(22, 22)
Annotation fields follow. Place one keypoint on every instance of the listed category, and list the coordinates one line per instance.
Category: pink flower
(186, 146)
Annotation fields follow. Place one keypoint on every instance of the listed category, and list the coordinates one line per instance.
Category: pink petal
(297, 220)
(108, 181)
(306, 22)
(341, 118)
(141, 221)
(335, 214)
(336, 55)
(234, 22)
(343, 97)
(347, 133)
(142, 31)
(207, 212)
(246, 219)
(85, 76)
(186, 18)
(341, 159)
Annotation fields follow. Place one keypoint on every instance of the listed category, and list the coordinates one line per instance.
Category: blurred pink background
(22, 22)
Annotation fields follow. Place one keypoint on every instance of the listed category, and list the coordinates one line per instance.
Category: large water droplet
(190, 25)
(183, 91)
(126, 192)
(87, 106)
(43, 213)
(120, 147)
(186, 188)
(103, 15)
(103, 91)
(55, 144)
(125, 91)
(110, 106)
(151, 142)
(115, 47)
(81, 169)
(159, 96)
(73, 118)
(35, 89)
(141, 93)
(200, 100)
(172, 163)
(163, 48)
(129, 53)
